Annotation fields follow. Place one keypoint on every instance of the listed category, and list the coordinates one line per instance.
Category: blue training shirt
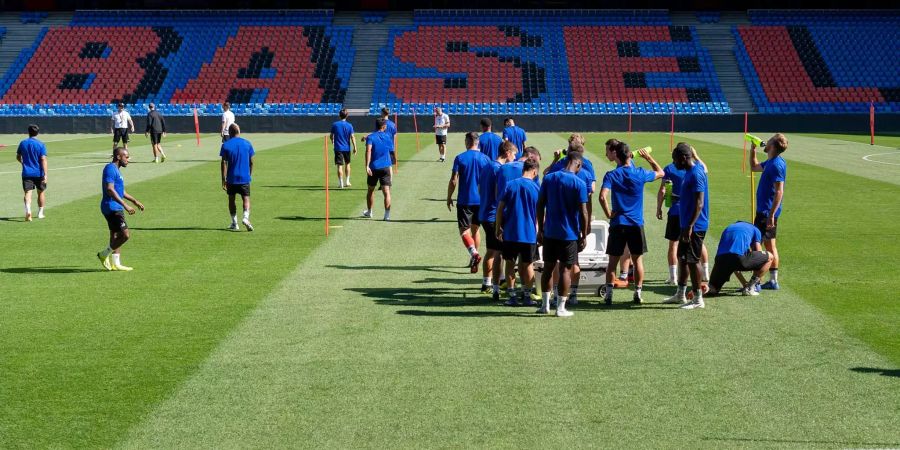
(563, 193)
(382, 146)
(586, 173)
(517, 136)
(489, 144)
(520, 211)
(342, 132)
(469, 165)
(694, 181)
(675, 176)
(774, 171)
(487, 190)
(508, 172)
(112, 175)
(237, 152)
(737, 238)
(32, 150)
(627, 186)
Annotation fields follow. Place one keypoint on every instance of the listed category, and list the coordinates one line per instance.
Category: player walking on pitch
(342, 138)
(487, 214)
(514, 134)
(227, 120)
(156, 129)
(488, 142)
(120, 124)
(237, 167)
(467, 168)
(516, 227)
(32, 153)
(769, 196)
(441, 126)
(112, 206)
(379, 159)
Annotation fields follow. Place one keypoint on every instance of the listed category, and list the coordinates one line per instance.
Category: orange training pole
(744, 161)
(872, 122)
(327, 205)
(672, 133)
(197, 126)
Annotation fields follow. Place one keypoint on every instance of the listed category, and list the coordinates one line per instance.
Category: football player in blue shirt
(514, 134)
(112, 206)
(769, 196)
(739, 250)
(693, 216)
(626, 183)
(487, 214)
(342, 138)
(379, 159)
(516, 227)
(32, 153)
(563, 225)
(671, 186)
(488, 142)
(467, 168)
(237, 167)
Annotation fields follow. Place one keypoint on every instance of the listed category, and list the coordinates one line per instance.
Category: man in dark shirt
(156, 129)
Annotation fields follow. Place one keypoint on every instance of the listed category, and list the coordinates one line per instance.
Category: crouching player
(739, 250)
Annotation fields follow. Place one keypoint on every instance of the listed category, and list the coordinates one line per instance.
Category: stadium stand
(268, 62)
(821, 61)
(546, 62)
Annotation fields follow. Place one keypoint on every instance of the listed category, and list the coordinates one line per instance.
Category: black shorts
(225, 138)
(382, 176)
(491, 241)
(565, 252)
(440, 139)
(32, 183)
(120, 133)
(238, 189)
(622, 235)
(689, 252)
(520, 251)
(341, 157)
(673, 228)
(116, 221)
(466, 216)
(155, 138)
(760, 223)
(729, 263)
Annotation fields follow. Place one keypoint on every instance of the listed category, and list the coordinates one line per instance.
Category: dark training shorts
(466, 216)
(382, 176)
(32, 183)
(729, 263)
(622, 235)
(116, 221)
(566, 252)
(520, 251)
(440, 139)
(341, 157)
(155, 138)
(673, 228)
(238, 189)
(120, 133)
(689, 252)
(491, 241)
(760, 223)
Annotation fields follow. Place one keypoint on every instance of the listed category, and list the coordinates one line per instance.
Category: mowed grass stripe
(379, 339)
(86, 354)
(85, 166)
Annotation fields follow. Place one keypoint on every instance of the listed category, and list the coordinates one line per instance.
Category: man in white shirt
(227, 120)
(119, 125)
(441, 125)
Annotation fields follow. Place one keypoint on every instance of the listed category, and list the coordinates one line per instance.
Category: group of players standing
(500, 190)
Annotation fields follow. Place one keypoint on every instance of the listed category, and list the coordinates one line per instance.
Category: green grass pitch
(376, 336)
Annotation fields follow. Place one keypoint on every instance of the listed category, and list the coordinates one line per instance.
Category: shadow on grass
(374, 219)
(314, 188)
(12, 219)
(883, 372)
(51, 270)
(802, 441)
(401, 268)
(179, 229)
(315, 219)
(421, 313)
(439, 298)
(469, 282)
